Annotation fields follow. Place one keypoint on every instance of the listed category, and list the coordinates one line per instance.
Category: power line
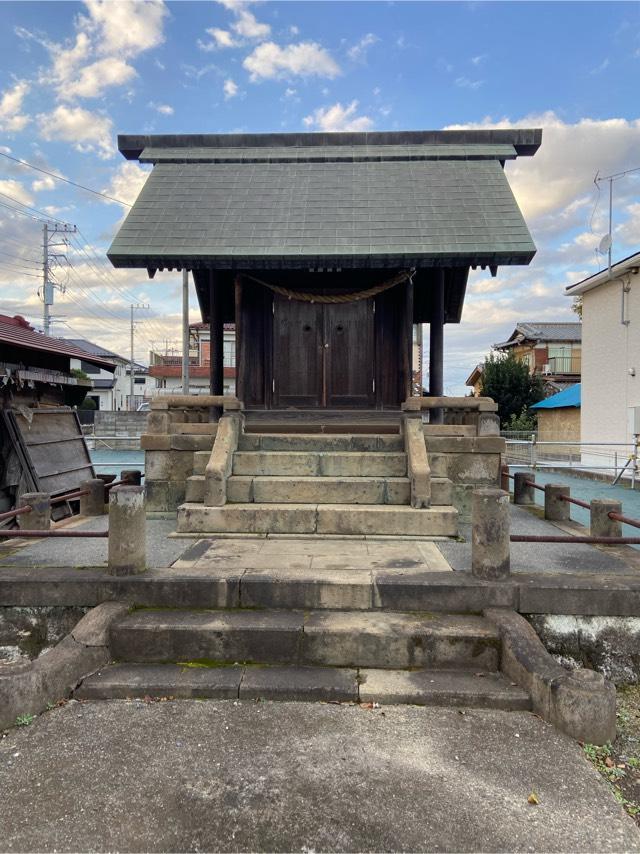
(19, 211)
(43, 214)
(22, 273)
(66, 180)
(21, 258)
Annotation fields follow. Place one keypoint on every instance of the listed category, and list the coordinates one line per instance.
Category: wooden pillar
(216, 341)
(436, 343)
(407, 342)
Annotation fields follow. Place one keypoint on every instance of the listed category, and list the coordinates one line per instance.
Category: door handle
(326, 346)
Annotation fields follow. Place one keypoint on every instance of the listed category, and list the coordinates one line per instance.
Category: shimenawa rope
(304, 296)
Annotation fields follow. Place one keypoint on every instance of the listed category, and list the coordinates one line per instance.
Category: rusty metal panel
(54, 448)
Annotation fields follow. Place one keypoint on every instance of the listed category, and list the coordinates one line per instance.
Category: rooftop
(619, 268)
(532, 331)
(417, 198)
(17, 332)
(570, 397)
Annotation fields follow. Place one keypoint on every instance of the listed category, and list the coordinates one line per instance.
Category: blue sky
(76, 74)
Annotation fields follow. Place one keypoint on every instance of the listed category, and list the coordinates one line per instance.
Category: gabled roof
(619, 268)
(98, 350)
(359, 200)
(542, 332)
(570, 397)
(16, 332)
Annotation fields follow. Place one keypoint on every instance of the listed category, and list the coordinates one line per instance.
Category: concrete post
(488, 424)
(127, 530)
(601, 524)
(39, 517)
(555, 509)
(93, 503)
(522, 492)
(490, 545)
(132, 477)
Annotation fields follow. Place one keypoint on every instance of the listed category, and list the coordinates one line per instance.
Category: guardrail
(605, 515)
(126, 532)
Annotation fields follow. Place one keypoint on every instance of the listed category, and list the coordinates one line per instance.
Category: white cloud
(601, 67)
(466, 83)
(127, 180)
(248, 27)
(478, 60)
(338, 118)
(230, 89)
(12, 119)
(91, 81)
(358, 51)
(128, 27)
(221, 39)
(17, 191)
(86, 130)
(109, 35)
(163, 109)
(44, 183)
(306, 59)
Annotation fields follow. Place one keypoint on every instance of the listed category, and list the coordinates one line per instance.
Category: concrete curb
(580, 703)
(28, 688)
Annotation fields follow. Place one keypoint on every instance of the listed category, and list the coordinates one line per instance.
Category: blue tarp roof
(569, 397)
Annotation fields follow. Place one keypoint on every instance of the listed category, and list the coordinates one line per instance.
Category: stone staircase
(318, 484)
(348, 656)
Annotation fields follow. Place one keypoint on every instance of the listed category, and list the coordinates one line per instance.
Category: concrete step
(320, 463)
(338, 638)
(200, 460)
(264, 518)
(471, 689)
(319, 442)
(242, 489)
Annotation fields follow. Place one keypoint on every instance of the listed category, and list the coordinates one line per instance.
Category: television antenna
(607, 241)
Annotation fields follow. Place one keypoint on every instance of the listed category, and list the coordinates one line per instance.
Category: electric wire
(66, 180)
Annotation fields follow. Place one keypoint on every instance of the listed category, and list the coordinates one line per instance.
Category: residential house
(111, 391)
(610, 355)
(552, 350)
(474, 380)
(166, 369)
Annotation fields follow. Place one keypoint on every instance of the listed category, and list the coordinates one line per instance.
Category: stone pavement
(246, 776)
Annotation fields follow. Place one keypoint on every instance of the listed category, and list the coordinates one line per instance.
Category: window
(88, 368)
(229, 354)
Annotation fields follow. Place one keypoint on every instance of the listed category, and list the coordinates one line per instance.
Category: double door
(323, 354)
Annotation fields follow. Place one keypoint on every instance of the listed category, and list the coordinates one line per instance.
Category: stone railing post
(417, 461)
(490, 531)
(601, 524)
(556, 509)
(220, 463)
(93, 503)
(39, 517)
(127, 531)
(523, 492)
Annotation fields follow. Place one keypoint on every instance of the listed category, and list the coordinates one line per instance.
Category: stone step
(340, 638)
(242, 489)
(458, 688)
(320, 463)
(373, 519)
(319, 442)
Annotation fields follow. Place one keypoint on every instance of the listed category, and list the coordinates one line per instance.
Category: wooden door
(297, 354)
(349, 369)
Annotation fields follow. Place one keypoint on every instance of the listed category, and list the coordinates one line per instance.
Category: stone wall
(109, 423)
(468, 462)
(27, 632)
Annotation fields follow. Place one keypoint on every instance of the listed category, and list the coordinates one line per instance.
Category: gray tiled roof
(569, 331)
(381, 213)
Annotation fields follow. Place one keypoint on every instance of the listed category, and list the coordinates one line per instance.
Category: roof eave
(602, 276)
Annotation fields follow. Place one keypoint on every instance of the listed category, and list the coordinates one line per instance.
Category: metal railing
(619, 459)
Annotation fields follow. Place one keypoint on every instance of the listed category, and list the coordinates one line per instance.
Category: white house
(166, 369)
(111, 390)
(610, 358)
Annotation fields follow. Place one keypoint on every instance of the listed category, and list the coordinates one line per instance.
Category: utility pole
(49, 286)
(185, 332)
(134, 307)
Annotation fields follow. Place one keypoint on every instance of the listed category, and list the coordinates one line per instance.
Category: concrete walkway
(245, 776)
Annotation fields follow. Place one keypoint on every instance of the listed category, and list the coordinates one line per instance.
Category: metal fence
(615, 460)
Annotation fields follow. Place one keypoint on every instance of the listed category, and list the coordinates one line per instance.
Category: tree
(509, 382)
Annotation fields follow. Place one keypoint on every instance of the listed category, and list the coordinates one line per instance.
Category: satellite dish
(605, 244)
